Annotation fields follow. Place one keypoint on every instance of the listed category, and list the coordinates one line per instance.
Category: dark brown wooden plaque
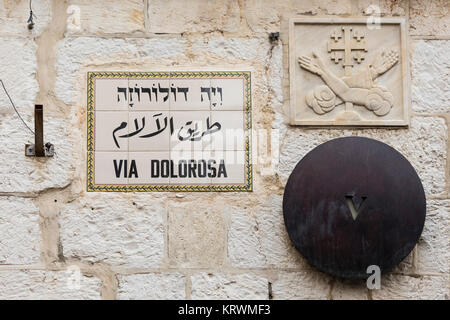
(354, 202)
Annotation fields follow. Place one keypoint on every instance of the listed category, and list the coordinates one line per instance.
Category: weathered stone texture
(430, 72)
(381, 8)
(229, 286)
(310, 285)
(113, 229)
(258, 238)
(19, 231)
(416, 288)
(255, 54)
(275, 76)
(28, 174)
(98, 17)
(14, 16)
(433, 252)
(47, 285)
(264, 15)
(429, 18)
(19, 173)
(423, 144)
(254, 50)
(18, 72)
(329, 7)
(349, 290)
(176, 16)
(153, 286)
(74, 54)
(196, 234)
(267, 16)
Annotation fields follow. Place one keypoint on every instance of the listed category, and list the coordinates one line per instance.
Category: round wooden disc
(351, 203)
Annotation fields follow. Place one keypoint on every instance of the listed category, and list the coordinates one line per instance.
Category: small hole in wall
(92, 208)
(56, 200)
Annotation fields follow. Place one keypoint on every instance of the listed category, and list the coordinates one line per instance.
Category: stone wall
(193, 245)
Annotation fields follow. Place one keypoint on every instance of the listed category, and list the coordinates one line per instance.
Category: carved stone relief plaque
(346, 72)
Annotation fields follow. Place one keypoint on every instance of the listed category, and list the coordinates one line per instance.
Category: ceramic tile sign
(169, 131)
(346, 72)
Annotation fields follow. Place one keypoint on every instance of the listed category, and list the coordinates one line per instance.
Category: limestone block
(176, 16)
(433, 252)
(310, 285)
(19, 231)
(329, 7)
(319, 7)
(75, 53)
(430, 87)
(229, 286)
(267, 16)
(152, 286)
(275, 76)
(18, 67)
(258, 238)
(423, 144)
(114, 229)
(416, 288)
(14, 16)
(196, 234)
(97, 17)
(252, 50)
(349, 290)
(255, 54)
(47, 285)
(382, 8)
(429, 18)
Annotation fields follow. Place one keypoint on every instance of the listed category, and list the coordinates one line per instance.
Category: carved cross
(347, 45)
(336, 35)
(358, 56)
(358, 35)
(336, 56)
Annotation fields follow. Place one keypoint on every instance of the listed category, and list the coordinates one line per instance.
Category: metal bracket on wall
(38, 149)
(274, 36)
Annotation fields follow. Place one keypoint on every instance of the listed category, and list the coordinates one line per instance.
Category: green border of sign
(245, 75)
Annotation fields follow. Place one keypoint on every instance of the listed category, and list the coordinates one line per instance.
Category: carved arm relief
(372, 87)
